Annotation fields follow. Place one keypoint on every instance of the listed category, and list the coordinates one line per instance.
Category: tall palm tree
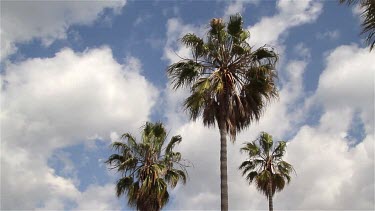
(265, 166)
(145, 169)
(368, 15)
(230, 82)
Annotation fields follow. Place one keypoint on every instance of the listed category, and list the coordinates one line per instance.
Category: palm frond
(184, 73)
(251, 149)
(143, 168)
(235, 25)
(280, 149)
(194, 104)
(123, 185)
(172, 143)
(266, 142)
(269, 171)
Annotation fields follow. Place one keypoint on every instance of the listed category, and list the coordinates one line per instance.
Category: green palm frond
(174, 140)
(184, 73)
(251, 149)
(235, 27)
(146, 168)
(195, 104)
(123, 184)
(265, 55)
(278, 183)
(265, 165)
(119, 146)
(279, 150)
(266, 142)
(262, 182)
(191, 40)
(114, 159)
(368, 25)
(247, 166)
(228, 80)
(251, 176)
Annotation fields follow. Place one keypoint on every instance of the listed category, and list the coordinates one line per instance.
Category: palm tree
(368, 15)
(265, 166)
(145, 171)
(230, 82)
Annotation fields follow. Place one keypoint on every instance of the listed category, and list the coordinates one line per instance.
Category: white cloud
(234, 7)
(302, 51)
(52, 103)
(88, 200)
(291, 13)
(23, 21)
(338, 175)
(176, 29)
(348, 82)
(331, 35)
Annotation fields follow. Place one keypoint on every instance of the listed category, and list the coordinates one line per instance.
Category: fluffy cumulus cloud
(347, 83)
(340, 176)
(52, 103)
(24, 21)
(289, 14)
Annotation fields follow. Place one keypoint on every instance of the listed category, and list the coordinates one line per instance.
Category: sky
(77, 74)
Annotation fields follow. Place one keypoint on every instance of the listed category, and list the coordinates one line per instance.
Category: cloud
(234, 7)
(331, 35)
(65, 100)
(88, 200)
(176, 29)
(347, 82)
(289, 14)
(21, 22)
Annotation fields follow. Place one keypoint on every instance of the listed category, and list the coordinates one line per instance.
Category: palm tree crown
(230, 83)
(229, 80)
(368, 21)
(265, 165)
(145, 170)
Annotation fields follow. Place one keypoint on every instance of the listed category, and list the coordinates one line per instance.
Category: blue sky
(75, 75)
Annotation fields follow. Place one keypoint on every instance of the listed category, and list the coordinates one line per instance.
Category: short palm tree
(230, 82)
(265, 166)
(145, 169)
(368, 15)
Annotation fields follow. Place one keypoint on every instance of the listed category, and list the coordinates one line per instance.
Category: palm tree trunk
(223, 167)
(270, 201)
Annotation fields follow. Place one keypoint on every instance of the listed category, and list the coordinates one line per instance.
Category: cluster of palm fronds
(147, 167)
(230, 81)
(265, 165)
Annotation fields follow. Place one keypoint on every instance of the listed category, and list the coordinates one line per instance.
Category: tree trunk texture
(270, 201)
(223, 167)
